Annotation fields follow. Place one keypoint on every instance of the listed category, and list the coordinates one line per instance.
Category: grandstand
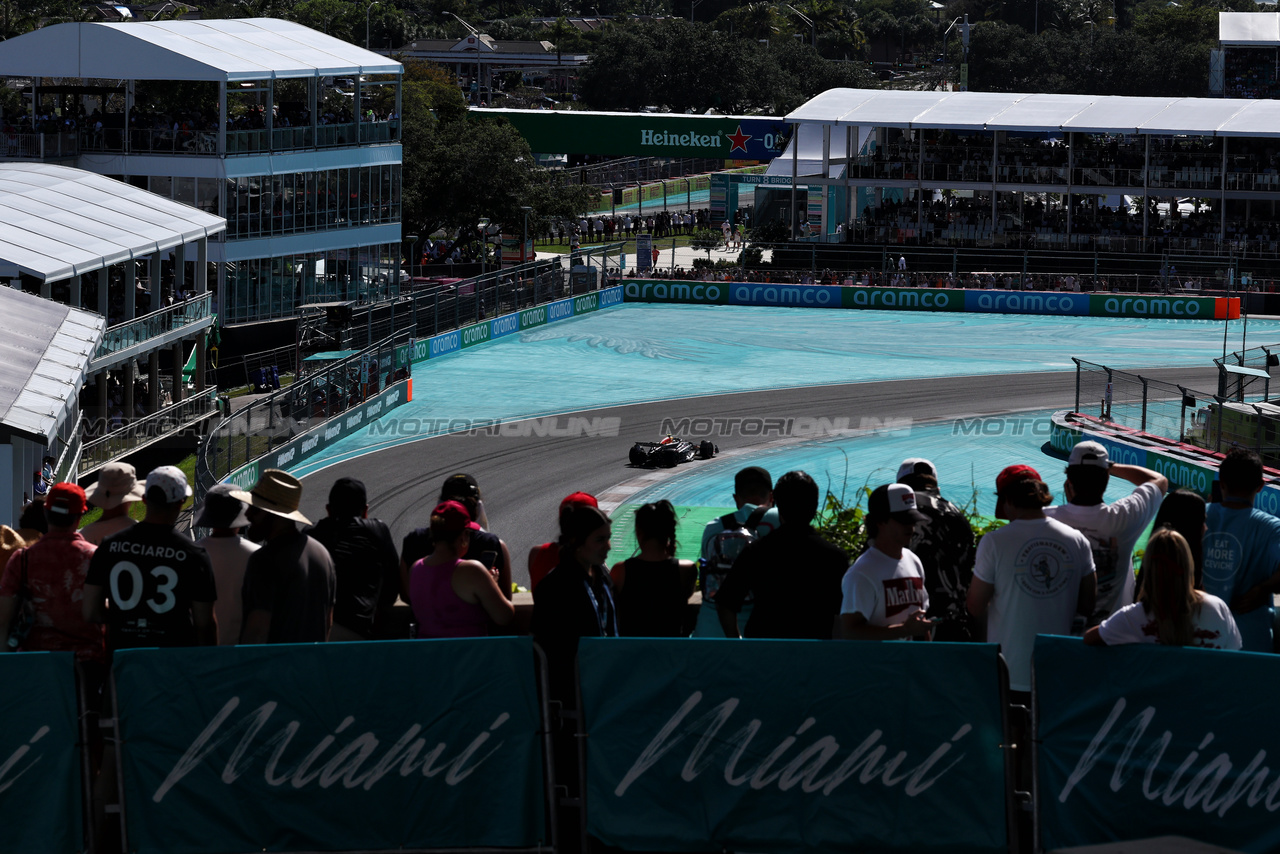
(1140, 176)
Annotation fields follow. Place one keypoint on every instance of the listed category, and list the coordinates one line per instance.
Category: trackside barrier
(520, 321)
(1144, 741)
(790, 745)
(40, 757)
(388, 746)
(930, 299)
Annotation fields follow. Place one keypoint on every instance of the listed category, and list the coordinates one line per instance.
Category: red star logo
(739, 140)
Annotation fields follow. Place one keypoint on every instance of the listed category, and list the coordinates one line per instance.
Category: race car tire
(706, 450)
(637, 456)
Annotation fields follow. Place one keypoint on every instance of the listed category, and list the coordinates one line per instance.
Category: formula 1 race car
(670, 452)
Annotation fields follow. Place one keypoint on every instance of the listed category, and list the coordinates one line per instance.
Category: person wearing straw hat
(151, 585)
(117, 487)
(289, 583)
(224, 515)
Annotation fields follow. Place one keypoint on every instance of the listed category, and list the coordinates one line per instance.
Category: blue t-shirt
(1242, 550)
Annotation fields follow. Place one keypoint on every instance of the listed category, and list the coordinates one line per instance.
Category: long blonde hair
(1168, 592)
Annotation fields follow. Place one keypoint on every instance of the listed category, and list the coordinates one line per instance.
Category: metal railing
(130, 436)
(157, 323)
(263, 425)
(39, 146)
(1215, 422)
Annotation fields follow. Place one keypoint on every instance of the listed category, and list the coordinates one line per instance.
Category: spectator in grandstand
(486, 547)
(50, 575)
(289, 584)
(944, 545)
(1169, 609)
(723, 539)
(653, 588)
(1242, 550)
(453, 597)
(1184, 511)
(543, 558)
(1030, 577)
(116, 489)
(364, 561)
(1112, 529)
(224, 515)
(151, 585)
(883, 593)
(794, 573)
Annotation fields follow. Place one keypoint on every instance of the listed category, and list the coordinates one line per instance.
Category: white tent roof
(57, 222)
(1257, 29)
(44, 354)
(1041, 113)
(251, 49)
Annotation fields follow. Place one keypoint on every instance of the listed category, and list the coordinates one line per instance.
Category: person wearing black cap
(364, 558)
(486, 546)
(945, 546)
(794, 573)
(883, 592)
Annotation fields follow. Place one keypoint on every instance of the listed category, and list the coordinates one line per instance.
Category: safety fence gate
(658, 745)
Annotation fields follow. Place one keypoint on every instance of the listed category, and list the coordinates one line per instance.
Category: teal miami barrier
(40, 759)
(332, 747)
(1146, 741)
(793, 745)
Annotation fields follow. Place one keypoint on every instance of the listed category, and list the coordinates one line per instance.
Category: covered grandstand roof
(57, 222)
(44, 354)
(1042, 113)
(1249, 29)
(250, 49)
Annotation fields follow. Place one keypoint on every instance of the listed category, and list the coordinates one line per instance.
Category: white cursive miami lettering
(867, 761)
(1201, 790)
(11, 763)
(405, 756)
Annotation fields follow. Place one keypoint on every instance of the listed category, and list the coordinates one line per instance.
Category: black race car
(670, 452)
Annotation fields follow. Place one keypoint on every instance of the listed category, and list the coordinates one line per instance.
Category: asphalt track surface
(522, 479)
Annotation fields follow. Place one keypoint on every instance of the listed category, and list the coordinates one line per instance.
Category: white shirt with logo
(1035, 566)
(1213, 627)
(1113, 530)
(883, 589)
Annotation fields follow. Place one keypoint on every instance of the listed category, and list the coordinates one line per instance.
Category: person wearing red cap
(1030, 577)
(453, 597)
(543, 558)
(52, 573)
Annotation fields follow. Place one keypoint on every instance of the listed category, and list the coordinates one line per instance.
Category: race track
(523, 478)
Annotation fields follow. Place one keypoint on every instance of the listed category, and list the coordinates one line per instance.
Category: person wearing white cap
(290, 583)
(883, 593)
(945, 546)
(115, 490)
(1112, 529)
(223, 514)
(151, 585)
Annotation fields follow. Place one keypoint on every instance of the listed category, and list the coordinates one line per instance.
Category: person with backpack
(723, 539)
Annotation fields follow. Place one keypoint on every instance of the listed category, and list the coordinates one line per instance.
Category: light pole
(813, 32)
(413, 242)
(946, 38)
(367, 10)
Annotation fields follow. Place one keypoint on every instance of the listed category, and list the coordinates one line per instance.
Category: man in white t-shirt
(224, 515)
(883, 595)
(1030, 577)
(1112, 529)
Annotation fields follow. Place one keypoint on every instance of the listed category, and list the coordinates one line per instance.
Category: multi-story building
(289, 134)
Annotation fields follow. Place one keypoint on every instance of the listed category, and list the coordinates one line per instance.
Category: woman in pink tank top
(452, 597)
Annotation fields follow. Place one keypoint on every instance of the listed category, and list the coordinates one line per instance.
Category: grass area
(136, 509)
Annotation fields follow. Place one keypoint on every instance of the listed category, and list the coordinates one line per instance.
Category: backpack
(725, 548)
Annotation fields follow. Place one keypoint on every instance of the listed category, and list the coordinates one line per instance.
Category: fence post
(1077, 361)
(1144, 403)
(1106, 400)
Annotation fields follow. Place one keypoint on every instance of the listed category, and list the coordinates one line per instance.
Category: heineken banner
(39, 755)
(1143, 741)
(332, 747)
(785, 745)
